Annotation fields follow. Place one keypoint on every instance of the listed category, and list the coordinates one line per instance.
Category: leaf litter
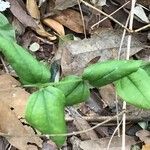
(73, 56)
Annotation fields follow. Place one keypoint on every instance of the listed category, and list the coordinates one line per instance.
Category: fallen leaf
(144, 2)
(144, 136)
(9, 124)
(82, 124)
(108, 95)
(146, 147)
(104, 44)
(70, 19)
(13, 95)
(63, 4)
(55, 26)
(22, 16)
(102, 143)
(27, 20)
(32, 8)
(139, 11)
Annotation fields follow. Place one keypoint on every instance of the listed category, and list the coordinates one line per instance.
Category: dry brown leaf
(21, 14)
(41, 31)
(70, 19)
(144, 136)
(9, 124)
(108, 95)
(28, 21)
(104, 43)
(63, 4)
(55, 26)
(15, 97)
(102, 143)
(146, 147)
(32, 8)
(82, 124)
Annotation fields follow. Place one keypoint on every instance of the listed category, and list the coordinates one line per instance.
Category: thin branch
(4, 64)
(127, 57)
(142, 28)
(66, 134)
(114, 134)
(100, 11)
(82, 17)
(109, 15)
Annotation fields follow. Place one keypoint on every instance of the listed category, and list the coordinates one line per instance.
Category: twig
(109, 15)
(102, 118)
(67, 134)
(100, 11)
(127, 57)
(4, 64)
(142, 28)
(84, 29)
(122, 39)
(114, 134)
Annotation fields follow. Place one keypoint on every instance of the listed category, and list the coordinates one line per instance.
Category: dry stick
(67, 134)
(134, 118)
(122, 39)
(142, 28)
(127, 57)
(119, 53)
(108, 146)
(109, 15)
(4, 64)
(84, 29)
(100, 11)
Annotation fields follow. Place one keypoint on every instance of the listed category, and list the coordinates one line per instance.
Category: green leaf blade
(45, 112)
(6, 30)
(101, 74)
(75, 90)
(29, 70)
(134, 89)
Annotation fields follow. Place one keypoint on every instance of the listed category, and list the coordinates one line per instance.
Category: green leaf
(135, 89)
(45, 112)
(74, 88)
(29, 70)
(103, 73)
(6, 30)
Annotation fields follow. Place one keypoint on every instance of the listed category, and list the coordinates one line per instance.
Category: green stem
(50, 84)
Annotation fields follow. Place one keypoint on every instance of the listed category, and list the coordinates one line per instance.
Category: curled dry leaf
(28, 21)
(41, 31)
(22, 16)
(55, 26)
(32, 8)
(70, 19)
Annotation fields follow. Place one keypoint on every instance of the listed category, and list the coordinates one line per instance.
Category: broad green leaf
(135, 89)
(29, 70)
(103, 73)
(74, 88)
(45, 112)
(6, 30)
(146, 67)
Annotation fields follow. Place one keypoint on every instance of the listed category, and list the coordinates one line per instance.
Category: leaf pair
(132, 79)
(45, 108)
